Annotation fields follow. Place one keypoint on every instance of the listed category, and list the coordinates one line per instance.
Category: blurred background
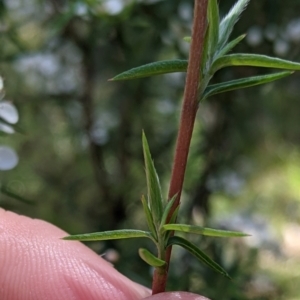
(75, 159)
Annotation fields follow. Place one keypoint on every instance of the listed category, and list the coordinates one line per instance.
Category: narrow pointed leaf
(110, 235)
(150, 259)
(193, 249)
(167, 210)
(203, 230)
(228, 47)
(172, 221)
(213, 21)
(154, 190)
(229, 21)
(149, 217)
(174, 216)
(255, 60)
(152, 69)
(205, 63)
(242, 83)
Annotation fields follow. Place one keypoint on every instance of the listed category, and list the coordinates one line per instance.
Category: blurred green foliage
(80, 152)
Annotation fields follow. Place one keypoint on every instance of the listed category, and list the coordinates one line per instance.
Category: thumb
(36, 264)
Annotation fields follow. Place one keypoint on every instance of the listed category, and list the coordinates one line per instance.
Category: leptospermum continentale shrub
(156, 208)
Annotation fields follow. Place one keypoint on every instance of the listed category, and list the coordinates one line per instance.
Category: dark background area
(80, 153)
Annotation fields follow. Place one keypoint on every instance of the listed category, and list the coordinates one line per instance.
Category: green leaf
(149, 217)
(228, 47)
(110, 235)
(167, 210)
(229, 21)
(155, 199)
(205, 62)
(255, 60)
(193, 249)
(172, 221)
(203, 230)
(213, 28)
(242, 83)
(152, 69)
(150, 259)
(174, 216)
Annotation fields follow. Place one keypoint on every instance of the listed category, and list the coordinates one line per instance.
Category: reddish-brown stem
(188, 115)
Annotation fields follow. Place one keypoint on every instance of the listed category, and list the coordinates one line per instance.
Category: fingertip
(37, 264)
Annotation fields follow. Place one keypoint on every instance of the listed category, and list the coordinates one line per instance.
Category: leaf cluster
(156, 208)
(216, 57)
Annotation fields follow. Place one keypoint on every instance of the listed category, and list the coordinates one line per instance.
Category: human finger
(35, 264)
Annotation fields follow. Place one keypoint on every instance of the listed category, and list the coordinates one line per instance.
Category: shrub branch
(188, 115)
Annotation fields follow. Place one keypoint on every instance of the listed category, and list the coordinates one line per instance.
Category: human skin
(36, 264)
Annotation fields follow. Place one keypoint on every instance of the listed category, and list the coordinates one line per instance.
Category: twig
(188, 115)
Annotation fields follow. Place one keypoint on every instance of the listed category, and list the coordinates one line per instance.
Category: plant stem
(188, 115)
